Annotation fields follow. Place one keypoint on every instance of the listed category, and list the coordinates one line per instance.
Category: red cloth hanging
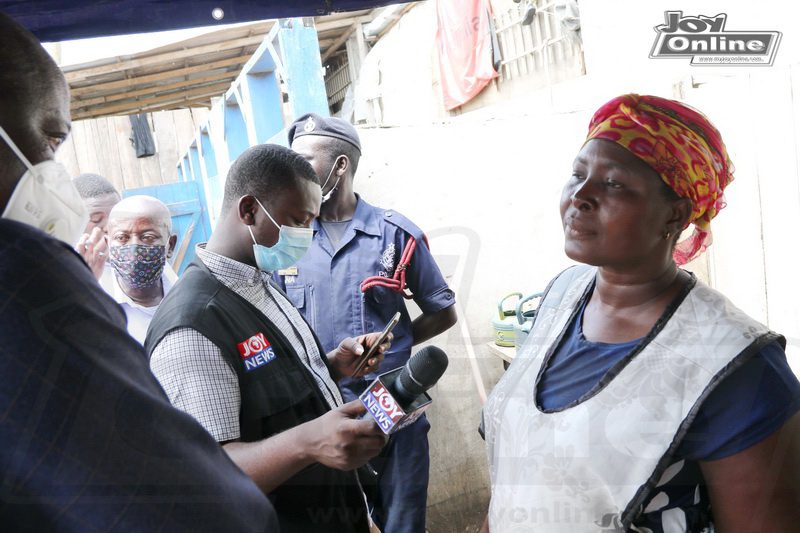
(464, 41)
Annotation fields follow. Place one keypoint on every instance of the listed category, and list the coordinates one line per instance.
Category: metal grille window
(336, 82)
(538, 48)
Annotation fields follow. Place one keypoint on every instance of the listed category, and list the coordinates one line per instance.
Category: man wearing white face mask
(231, 350)
(88, 441)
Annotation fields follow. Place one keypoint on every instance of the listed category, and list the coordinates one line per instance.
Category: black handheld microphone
(398, 398)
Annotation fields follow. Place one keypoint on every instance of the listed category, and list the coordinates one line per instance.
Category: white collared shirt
(139, 316)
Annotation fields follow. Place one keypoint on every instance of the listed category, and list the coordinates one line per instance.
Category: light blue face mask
(292, 245)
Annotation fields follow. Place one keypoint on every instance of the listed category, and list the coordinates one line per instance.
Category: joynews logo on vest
(707, 43)
(255, 352)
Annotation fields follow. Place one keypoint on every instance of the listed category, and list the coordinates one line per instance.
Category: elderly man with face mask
(88, 440)
(140, 241)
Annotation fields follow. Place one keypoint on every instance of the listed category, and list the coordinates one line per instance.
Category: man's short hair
(333, 147)
(28, 70)
(263, 170)
(93, 186)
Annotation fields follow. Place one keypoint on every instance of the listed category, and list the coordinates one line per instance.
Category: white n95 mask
(45, 198)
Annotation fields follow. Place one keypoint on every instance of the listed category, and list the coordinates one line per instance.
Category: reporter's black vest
(275, 396)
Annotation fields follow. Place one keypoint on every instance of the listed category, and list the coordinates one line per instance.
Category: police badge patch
(387, 261)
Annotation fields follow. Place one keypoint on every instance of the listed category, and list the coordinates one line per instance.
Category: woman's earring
(666, 235)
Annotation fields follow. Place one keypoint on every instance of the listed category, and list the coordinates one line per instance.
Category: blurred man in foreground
(88, 441)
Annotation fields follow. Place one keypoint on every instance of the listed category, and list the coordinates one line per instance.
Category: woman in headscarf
(644, 400)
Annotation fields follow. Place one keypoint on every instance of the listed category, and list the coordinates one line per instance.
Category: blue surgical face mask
(292, 245)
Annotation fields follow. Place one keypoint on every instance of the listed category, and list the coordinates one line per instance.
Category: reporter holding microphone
(231, 350)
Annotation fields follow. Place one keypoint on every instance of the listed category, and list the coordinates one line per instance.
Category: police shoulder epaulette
(393, 217)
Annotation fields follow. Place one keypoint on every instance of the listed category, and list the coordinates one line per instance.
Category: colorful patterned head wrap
(682, 146)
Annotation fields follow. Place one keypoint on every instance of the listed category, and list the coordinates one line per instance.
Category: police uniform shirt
(193, 371)
(325, 284)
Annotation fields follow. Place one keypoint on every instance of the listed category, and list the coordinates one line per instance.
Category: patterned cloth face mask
(140, 265)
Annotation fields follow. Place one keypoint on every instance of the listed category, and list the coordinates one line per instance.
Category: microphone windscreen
(422, 371)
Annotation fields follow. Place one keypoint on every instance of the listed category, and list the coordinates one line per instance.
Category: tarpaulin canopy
(60, 20)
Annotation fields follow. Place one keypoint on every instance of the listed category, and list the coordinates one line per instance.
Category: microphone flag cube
(386, 410)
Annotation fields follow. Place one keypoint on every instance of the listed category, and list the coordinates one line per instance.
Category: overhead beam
(169, 104)
(166, 57)
(153, 89)
(197, 102)
(342, 23)
(218, 88)
(340, 41)
(138, 80)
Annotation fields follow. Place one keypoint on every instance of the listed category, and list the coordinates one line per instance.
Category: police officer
(359, 246)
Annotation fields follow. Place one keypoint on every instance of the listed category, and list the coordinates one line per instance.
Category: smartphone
(385, 333)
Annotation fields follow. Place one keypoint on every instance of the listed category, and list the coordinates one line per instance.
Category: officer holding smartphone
(362, 261)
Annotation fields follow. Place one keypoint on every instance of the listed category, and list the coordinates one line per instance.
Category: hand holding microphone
(347, 437)
(342, 440)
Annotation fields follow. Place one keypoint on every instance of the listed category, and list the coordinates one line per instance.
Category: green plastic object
(503, 323)
(524, 318)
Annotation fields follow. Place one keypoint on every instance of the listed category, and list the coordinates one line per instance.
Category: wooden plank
(201, 103)
(136, 106)
(77, 144)
(90, 147)
(66, 156)
(168, 57)
(77, 104)
(216, 36)
(108, 150)
(114, 148)
(186, 239)
(342, 23)
(149, 166)
(131, 173)
(166, 145)
(160, 76)
(199, 117)
(184, 131)
(340, 41)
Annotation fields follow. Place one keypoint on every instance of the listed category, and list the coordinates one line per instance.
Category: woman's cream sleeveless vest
(589, 466)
